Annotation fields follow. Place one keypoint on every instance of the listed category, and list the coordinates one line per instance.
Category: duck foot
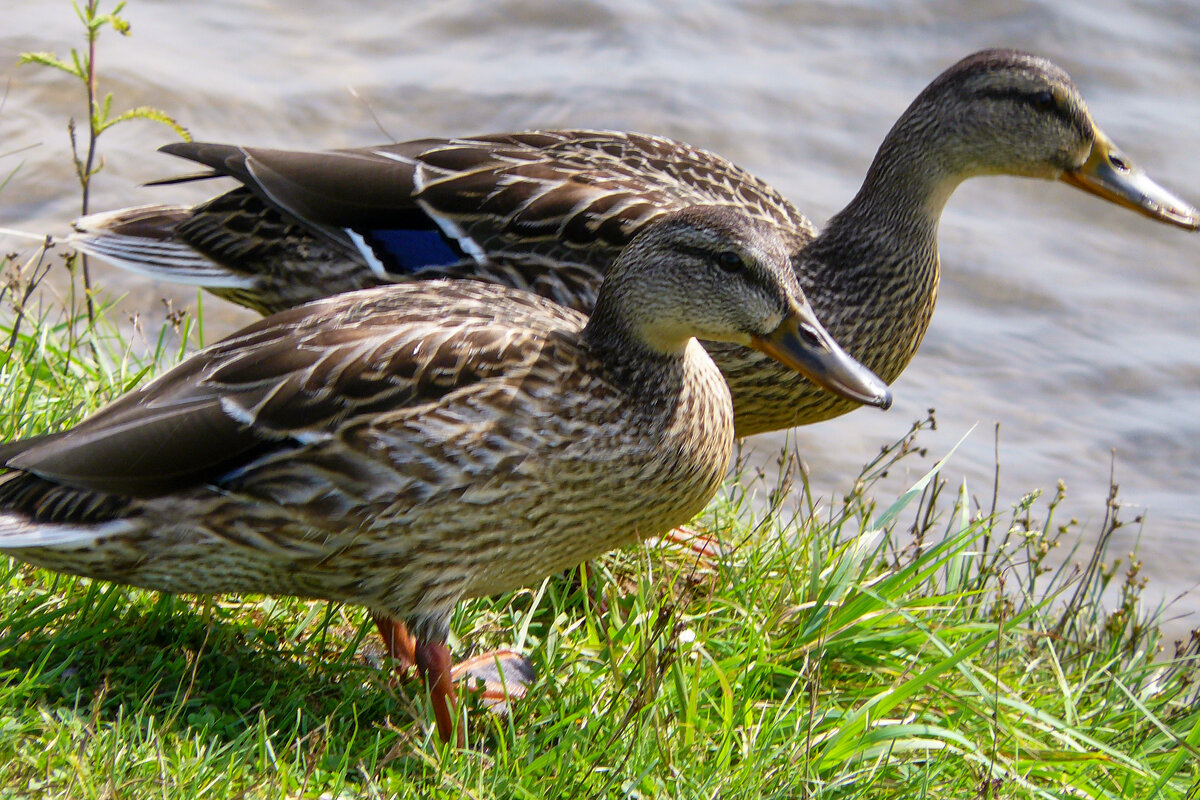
(703, 545)
(498, 676)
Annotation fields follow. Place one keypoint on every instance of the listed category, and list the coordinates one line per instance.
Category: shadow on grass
(109, 652)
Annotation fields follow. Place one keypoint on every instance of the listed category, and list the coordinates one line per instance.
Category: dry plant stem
(987, 536)
(34, 280)
(1107, 529)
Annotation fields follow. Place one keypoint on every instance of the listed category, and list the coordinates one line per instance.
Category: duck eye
(1043, 100)
(729, 261)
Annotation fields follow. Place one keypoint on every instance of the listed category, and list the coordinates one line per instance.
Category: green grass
(877, 651)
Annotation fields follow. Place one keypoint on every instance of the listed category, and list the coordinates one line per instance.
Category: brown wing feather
(534, 184)
(334, 189)
(296, 377)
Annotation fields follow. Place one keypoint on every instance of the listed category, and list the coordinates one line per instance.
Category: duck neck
(872, 273)
(623, 352)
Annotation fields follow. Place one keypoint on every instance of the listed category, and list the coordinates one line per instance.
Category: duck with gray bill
(406, 447)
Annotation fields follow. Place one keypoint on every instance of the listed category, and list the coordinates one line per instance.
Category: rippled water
(1070, 322)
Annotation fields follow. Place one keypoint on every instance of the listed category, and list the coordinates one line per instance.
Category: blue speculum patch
(406, 250)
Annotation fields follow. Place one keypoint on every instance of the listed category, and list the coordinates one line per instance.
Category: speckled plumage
(549, 210)
(408, 446)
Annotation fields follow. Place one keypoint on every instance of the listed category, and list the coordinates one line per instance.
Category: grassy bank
(866, 648)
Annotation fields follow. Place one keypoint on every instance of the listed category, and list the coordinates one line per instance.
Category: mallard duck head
(1013, 113)
(711, 273)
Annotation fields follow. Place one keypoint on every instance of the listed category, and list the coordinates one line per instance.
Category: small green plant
(82, 66)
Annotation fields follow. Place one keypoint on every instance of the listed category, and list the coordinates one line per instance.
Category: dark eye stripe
(1042, 100)
(725, 259)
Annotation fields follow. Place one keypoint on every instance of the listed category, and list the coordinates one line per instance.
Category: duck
(549, 210)
(406, 447)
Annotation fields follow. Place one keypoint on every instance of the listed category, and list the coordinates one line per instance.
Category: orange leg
(433, 661)
(401, 645)
(503, 673)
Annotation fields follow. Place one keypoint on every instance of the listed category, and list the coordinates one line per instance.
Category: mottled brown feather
(549, 211)
(407, 446)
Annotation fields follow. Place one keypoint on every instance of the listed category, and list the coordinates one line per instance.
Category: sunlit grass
(870, 649)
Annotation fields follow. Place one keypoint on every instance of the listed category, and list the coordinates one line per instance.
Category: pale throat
(671, 339)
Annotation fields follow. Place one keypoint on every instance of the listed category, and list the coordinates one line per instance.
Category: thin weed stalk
(100, 117)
